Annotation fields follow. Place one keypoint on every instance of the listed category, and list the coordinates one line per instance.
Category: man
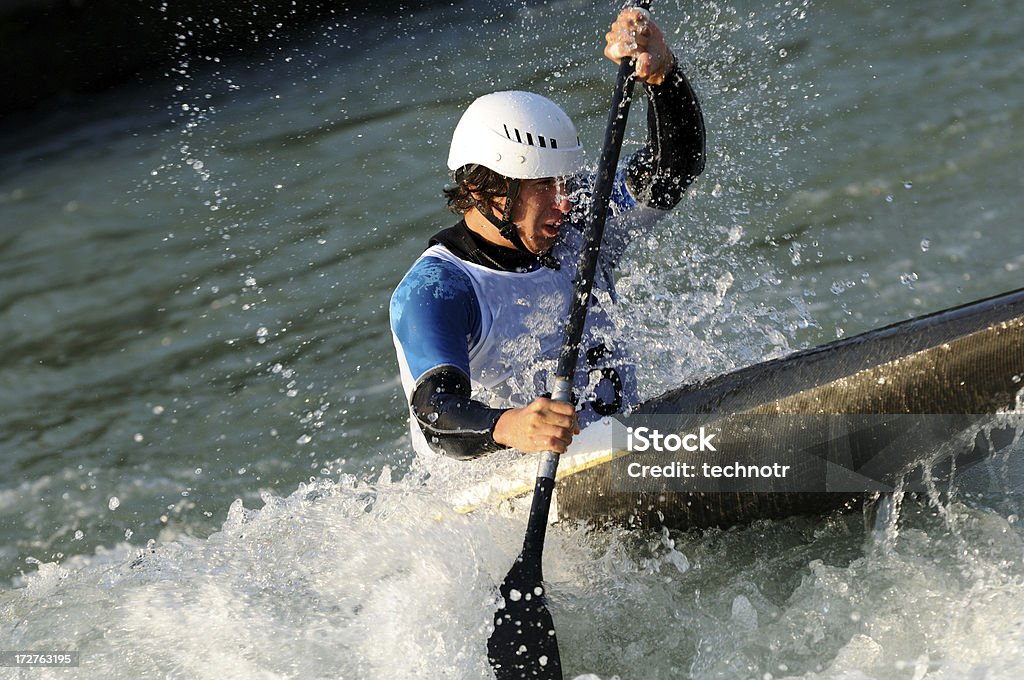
(478, 319)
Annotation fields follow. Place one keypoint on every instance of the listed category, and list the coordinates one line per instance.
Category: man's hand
(635, 35)
(542, 425)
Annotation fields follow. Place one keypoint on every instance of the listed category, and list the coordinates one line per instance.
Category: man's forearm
(452, 422)
(673, 157)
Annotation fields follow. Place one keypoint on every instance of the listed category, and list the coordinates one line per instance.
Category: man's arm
(654, 179)
(463, 428)
(453, 423)
(434, 318)
(659, 173)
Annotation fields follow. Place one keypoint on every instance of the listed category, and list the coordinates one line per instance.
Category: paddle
(523, 644)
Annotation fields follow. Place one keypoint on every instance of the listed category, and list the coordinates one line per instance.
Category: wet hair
(475, 179)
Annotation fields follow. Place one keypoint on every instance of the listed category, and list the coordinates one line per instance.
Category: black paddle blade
(523, 644)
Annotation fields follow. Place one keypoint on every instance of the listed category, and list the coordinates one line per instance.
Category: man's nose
(562, 200)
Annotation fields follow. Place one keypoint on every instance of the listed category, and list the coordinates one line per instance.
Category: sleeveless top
(504, 330)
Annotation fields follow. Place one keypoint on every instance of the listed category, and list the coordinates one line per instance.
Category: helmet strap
(509, 230)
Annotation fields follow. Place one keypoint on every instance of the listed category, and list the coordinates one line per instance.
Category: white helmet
(517, 134)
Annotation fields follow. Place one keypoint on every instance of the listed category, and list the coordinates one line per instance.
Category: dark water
(195, 279)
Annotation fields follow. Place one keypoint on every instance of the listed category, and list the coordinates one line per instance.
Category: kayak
(817, 431)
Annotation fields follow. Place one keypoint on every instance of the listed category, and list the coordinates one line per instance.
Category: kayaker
(478, 320)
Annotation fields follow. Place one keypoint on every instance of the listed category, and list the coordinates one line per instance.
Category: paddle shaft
(622, 97)
(523, 644)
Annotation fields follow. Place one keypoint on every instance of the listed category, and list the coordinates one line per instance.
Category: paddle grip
(549, 461)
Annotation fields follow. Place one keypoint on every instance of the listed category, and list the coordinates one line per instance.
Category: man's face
(539, 210)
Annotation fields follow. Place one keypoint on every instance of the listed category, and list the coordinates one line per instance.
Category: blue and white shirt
(504, 329)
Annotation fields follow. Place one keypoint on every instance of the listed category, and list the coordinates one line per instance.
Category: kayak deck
(965, 361)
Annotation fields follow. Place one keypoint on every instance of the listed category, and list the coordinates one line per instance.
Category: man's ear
(494, 202)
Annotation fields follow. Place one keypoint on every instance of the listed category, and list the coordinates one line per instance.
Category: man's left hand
(635, 35)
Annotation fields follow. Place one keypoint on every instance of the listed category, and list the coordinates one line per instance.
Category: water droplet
(925, 245)
(114, 503)
(515, 595)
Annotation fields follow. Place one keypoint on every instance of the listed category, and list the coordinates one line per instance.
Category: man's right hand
(543, 425)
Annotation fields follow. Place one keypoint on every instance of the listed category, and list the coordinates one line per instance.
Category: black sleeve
(454, 424)
(658, 174)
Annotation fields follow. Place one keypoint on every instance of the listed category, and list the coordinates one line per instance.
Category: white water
(354, 580)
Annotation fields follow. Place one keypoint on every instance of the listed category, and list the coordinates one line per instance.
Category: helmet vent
(543, 143)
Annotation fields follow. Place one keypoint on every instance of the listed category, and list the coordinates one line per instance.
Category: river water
(203, 465)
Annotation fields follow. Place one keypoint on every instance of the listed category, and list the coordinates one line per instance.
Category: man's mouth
(552, 229)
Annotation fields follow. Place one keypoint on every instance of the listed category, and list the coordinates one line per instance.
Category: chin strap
(508, 229)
